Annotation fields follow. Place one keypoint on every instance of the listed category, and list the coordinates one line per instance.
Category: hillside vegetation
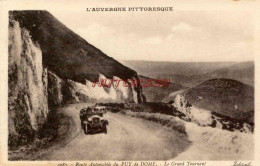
(155, 94)
(65, 52)
(50, 66)
(224, 96)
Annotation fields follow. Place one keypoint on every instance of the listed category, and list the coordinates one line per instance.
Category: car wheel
(105, 129)
(86, 129)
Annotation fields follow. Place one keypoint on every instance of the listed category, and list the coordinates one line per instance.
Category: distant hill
(224, 96)
(193, 73)
(243, 72)
(157, 94)
(183, 68)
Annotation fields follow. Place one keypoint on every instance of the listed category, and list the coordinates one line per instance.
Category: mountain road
(128, 138)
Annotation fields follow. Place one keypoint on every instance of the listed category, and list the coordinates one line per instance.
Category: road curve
(127, 139)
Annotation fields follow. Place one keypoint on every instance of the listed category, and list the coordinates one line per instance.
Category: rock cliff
(49, 65)
(27, 90)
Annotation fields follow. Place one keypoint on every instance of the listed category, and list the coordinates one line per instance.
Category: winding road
(128, 138)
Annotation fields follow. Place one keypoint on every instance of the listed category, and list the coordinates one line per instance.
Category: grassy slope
(65, 53)
(225, 96)
(156, 94)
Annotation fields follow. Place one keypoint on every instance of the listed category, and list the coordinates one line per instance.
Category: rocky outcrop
(27, 90)
(55, 96)
(204, 117)
(94, 91)
(68, 55)
(49, 66)
(224, 96)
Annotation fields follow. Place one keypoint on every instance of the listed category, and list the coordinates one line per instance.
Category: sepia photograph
(124, 83)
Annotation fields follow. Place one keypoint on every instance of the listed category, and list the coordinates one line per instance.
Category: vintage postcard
(130, 83)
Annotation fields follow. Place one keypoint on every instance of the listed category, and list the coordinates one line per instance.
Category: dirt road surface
(127, 139)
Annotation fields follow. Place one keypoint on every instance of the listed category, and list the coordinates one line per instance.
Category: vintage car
(92, 120)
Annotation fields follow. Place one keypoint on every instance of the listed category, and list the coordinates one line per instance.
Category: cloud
(151, 40)
(177, 45)
(182, 27)
(179, 36)
(94, 32)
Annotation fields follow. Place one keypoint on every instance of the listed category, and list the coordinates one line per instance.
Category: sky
(186, 36)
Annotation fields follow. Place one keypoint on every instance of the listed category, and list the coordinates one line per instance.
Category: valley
(191, 74)
(206, 112)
